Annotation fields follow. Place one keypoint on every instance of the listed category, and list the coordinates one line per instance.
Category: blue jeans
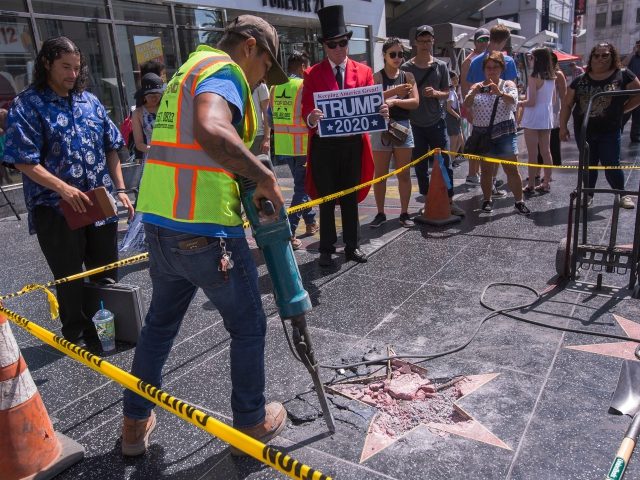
(604, 148)
(176, 274)
(298, 170)
(425, 139)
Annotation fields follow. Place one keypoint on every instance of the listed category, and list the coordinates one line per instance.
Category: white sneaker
(626, 202)
(473, 180)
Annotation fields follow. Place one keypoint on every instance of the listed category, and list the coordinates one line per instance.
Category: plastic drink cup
(103, 321)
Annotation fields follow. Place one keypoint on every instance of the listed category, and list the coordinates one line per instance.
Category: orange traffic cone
(437, 208)
(29, 448)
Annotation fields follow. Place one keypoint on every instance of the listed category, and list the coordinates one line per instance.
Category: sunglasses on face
(394, 54)
(483, 40)
(342, 43)
(604, 56)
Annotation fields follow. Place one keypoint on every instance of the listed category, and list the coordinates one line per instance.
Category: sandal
(529, 190)
(543, 188)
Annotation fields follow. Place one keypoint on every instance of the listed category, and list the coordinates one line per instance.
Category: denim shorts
(378, 146)
(505, 146)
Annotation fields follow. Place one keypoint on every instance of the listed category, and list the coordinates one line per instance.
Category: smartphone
(485, 89)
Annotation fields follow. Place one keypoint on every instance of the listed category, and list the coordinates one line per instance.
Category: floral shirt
(69, 136)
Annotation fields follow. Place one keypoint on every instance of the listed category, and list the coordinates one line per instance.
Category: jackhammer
(273, 235)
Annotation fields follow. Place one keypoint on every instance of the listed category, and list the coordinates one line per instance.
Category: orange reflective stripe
(185, 146)
(178, 166)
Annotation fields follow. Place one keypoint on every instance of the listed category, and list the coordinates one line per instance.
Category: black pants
(554, 143)
(336, 165)
(66, 251)
(634, 115)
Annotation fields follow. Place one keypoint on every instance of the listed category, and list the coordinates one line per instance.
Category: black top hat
(332, 23)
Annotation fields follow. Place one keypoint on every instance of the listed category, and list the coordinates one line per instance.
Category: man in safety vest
(191, 209)
(291, 136)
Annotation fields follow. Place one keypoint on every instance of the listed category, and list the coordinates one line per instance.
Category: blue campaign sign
(350, 111)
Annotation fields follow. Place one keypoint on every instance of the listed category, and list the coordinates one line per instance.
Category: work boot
(274, 421)
(135, 435)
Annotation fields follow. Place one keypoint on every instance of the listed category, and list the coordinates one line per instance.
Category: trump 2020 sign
(350, 111)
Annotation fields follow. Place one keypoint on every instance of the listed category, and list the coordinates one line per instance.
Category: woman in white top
(537, 119)
(504, 144)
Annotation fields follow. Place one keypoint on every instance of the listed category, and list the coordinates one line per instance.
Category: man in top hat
(336, 163)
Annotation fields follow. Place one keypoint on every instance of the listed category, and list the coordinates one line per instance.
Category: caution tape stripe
(258, 450)
(469, 156)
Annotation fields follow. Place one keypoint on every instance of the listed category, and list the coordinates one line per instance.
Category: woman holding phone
(481, 100)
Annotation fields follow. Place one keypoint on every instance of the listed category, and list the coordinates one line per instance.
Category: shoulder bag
(479, 143)
(396, 134)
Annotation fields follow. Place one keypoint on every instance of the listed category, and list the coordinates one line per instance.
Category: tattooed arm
(217, 136)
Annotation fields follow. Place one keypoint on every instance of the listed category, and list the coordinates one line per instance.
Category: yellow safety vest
(181, 182)
(291, 133)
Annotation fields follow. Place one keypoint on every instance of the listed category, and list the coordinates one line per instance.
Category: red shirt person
(336, 163)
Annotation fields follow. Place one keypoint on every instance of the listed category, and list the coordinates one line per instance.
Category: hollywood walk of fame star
(624, 350)
(386, 426)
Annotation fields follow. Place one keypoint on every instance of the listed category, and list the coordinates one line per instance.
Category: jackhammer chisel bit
(273, 235)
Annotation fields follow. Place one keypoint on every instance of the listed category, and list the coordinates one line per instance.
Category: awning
(566, 57)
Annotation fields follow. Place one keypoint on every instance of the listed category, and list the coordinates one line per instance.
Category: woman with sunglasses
(401, 95)
(537, 118)
(603, 73)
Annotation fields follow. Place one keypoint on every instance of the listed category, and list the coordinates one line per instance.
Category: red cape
(320, 78)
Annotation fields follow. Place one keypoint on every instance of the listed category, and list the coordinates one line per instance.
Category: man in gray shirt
(632, 62)
(427, 121)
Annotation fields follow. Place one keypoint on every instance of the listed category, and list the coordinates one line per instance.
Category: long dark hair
(543, 64)
(51, 50)
(615, 56)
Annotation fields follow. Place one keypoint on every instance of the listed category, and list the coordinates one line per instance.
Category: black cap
(332, 23)
(481, 33)
(422, 29)
(267, 37)
(151, 83)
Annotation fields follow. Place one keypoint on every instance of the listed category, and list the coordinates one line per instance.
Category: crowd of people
(214, 119)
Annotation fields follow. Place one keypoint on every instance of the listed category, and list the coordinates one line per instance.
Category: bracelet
(121, 190)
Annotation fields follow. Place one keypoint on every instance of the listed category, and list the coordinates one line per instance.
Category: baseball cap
(480, 33)
(422, 29)
(151, 83)
(267, 37)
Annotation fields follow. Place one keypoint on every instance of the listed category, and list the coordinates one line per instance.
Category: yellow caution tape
(51, 297)
(469, 156)
(258, 450)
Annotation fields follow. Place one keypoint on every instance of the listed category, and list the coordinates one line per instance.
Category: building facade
(117, 36)
(615, 21)
(535, 16)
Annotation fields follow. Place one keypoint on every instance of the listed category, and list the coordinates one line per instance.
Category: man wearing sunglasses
(632, 62)
(336, 163)
(427, 121)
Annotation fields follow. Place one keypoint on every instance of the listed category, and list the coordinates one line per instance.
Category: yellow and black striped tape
(258, 450)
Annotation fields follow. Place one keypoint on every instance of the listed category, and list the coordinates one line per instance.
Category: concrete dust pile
(406, 398)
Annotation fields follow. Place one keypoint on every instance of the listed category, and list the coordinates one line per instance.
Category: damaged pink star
(624, 350)
(407, 400)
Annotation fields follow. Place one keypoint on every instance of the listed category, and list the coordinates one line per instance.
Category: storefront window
(190, 39)
(94, 41)
(141, 12)
(137, 45)
(198, 17)
(79, 8)
(14, 5)
(359, 44)
(17, 54)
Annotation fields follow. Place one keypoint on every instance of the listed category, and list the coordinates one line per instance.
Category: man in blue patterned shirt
(63, 142)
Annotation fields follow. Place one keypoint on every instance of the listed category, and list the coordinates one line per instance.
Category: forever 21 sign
(299, 5)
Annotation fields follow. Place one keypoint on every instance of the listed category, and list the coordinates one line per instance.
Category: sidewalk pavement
(540, 413)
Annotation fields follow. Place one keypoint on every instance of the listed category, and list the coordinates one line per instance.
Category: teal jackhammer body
(272, 235)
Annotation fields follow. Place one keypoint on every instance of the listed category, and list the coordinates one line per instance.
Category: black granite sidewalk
(538, 408)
